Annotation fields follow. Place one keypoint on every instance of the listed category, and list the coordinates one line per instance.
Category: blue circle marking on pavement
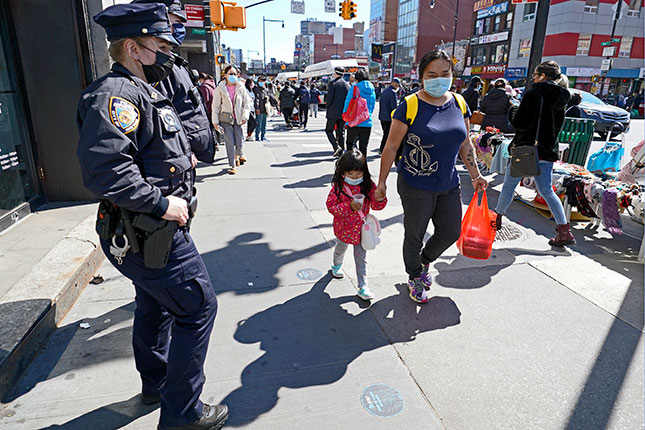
(382, 400)
(309, 274)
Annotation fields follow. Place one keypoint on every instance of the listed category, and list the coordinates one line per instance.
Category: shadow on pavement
(319, 182)
(300, 354)
(110, 417)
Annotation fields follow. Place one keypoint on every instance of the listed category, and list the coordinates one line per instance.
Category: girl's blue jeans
(544, 184)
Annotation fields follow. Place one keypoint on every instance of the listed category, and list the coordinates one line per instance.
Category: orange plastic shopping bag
(477, 236)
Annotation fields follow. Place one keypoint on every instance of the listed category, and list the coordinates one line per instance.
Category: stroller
(608, 158)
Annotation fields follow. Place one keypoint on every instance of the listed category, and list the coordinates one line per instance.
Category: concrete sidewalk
(533, 338)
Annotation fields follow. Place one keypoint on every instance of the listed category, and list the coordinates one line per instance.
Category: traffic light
(344, 9)
(351, 10)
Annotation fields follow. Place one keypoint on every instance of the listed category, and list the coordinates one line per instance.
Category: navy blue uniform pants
(173, 320)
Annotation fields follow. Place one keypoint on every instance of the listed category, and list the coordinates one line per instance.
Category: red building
(325, 49)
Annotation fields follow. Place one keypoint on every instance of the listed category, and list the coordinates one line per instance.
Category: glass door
(16, 165)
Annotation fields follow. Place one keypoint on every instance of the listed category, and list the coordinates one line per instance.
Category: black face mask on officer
(161, 69)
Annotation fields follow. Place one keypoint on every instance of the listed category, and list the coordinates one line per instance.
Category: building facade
(422, 26)
(492, 30)
(323, 47)
(383, 21)
(579, 38)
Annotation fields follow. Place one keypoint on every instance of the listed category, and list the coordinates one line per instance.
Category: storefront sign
(515, 73)
(482, 4)
(641, 75)
(580, 71)
(493, 10)
(608, 51)
(476, 70)
(525, 48)
(194, 15)
(377, 52)
(198, 31)
(495, 69)
(490, 38)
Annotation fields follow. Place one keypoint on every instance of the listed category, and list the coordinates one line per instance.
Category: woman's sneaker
(417, 292)
(365, 293)
(337, 272)
(426, 278)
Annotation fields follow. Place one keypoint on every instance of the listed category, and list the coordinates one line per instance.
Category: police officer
(135, 154)
(183, 92)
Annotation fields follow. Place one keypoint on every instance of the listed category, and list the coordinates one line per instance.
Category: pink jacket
(347, 223)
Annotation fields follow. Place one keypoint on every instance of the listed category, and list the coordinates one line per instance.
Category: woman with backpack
(361, 132)
(432, 135)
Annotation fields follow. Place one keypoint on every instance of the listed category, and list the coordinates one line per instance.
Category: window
(479, 56)
(634, 8)
(509, 20)
(487, 25)
(525, 48)
(498, 23)
(584, 43)
(501, 54)
(591, 6)
(529, 11)
(479, 27)
(625, 46)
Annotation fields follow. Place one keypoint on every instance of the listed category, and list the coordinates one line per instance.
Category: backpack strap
(411, 108)
(461, 101)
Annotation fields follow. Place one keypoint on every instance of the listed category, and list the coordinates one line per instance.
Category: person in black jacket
(495, 105)
(574, 106)
(287, 103)
(543, 104)
(472, 93)
(304, 98)
(260, 105)
(335, 103)
(387, 103)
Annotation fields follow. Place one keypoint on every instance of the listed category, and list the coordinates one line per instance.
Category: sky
(280, 41)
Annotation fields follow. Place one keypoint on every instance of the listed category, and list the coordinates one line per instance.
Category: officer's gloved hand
(177, 210)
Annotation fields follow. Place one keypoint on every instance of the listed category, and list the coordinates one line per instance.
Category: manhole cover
(508, 233)
(308, 274)
(382, 400)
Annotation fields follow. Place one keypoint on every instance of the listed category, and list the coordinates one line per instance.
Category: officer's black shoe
(213, 418)
(150, 399)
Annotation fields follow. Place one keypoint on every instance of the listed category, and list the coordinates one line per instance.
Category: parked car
(605, 115)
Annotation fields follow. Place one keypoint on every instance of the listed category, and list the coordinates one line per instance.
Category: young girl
(352, 177)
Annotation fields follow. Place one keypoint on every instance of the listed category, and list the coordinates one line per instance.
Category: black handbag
(524, 159)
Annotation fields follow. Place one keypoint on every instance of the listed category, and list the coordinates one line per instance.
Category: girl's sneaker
(365, 293)
(418, 293)
(426, 278)
(337, 272)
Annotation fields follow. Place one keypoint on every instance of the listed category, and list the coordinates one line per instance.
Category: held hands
(243, 122)
(193, 160)
(177, 210)
(355, 206)
(479, 183)
(380, 192)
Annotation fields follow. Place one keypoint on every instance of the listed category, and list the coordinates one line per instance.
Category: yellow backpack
(412, 106)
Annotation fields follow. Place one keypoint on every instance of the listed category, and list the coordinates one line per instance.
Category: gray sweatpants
(419, 207)
(234, 138)
(360, 260)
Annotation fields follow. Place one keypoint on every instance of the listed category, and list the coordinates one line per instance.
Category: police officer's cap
(174, 7)
(132, 20)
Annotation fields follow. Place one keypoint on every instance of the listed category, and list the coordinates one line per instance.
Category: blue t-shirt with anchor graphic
(431, 146)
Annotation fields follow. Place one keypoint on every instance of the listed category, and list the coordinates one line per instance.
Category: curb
(35, 305)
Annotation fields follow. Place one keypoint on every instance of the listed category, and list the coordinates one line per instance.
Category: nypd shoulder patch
(124, 115)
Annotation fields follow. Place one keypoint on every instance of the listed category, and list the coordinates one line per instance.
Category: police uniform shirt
(132, 148)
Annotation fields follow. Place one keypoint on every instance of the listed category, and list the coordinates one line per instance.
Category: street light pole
(264, 43)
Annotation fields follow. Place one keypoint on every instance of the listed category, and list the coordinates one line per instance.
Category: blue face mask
(261, 84)
(437, 87)
(231, 79)
(351, 181)
(179, 32)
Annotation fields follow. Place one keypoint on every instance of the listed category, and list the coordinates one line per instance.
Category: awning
(623, 73)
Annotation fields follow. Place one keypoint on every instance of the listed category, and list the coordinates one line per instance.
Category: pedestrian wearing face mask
(135, 155)
(231, 108)
(351, 184)
(427, 182)
(183, 92)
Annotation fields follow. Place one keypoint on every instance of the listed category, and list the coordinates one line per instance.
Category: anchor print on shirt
(418, 161)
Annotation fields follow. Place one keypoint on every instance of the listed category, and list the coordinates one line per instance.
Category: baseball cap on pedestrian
(174, 7)
(135, 20)
(396, 81)
(339, 70)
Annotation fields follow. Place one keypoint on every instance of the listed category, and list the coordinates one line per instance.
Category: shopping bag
(350, 113)
(370, 232)
(606, 159)
(477, 234)
(357, 111)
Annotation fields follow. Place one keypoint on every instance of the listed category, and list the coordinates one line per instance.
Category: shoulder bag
(524, 159)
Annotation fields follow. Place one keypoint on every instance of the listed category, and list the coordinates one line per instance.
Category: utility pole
(613, 32)
(539, 33)
(210, 42)
(454, 37)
